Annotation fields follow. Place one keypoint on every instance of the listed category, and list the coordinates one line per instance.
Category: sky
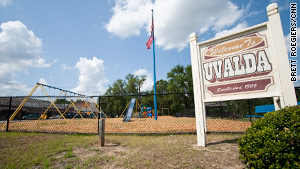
(84, 46)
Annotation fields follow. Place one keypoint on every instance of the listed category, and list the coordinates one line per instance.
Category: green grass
(36, 150)
(25, 150)
(69, 153)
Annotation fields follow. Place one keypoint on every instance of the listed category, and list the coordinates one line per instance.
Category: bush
(273, 141)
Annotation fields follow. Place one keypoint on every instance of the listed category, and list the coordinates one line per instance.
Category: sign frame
(279, 86)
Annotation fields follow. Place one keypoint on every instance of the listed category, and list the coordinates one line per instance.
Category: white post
(198, 92)
(287, 95)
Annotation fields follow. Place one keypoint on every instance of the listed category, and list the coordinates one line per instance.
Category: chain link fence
(123, 114)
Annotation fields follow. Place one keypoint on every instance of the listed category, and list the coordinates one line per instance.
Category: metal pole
(8, 114)
(101, 125)
(99, 112)
(155, 105)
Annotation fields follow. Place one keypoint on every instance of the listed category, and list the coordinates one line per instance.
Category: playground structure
(147, 111)
(144, 110)
(63, 105)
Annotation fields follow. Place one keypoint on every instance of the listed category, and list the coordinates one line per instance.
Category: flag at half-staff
(149, 43)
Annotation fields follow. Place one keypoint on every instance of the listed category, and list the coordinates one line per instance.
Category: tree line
(179, 80)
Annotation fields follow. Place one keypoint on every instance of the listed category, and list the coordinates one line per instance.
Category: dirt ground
(36, 150)
(164, 124)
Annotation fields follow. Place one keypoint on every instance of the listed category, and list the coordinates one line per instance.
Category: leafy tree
(62, 101)
(163, 101)
(134, 83)
(79, 101)
(118, 88)
(114, 106)
(181, 81)
(131, 86)
(140, 82)
(162, 86)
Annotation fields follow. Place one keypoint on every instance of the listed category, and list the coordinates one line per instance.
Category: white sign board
(252, 63)
(241, 67)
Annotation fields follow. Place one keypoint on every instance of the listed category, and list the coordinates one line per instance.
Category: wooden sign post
(102, 131)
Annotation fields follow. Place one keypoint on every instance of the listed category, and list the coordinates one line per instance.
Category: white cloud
(5, 2)
(92, 78)
(67, 67)
(20, 49)
(148, 84)
(237, 28)
(10, 87)
(174, 20)
(43, 81)
(129, 17)
(287, 40)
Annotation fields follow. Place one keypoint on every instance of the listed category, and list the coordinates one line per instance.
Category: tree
(163, 101)
(181, 81)
(134, 83)
(140, 82)
(62, 101)
(118, 88)
(114, 106)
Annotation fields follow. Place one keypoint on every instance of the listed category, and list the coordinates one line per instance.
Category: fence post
(8, 114)
(102, 131)
(99, 112)
(101, 125)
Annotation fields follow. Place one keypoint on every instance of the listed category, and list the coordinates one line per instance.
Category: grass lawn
(36, 150)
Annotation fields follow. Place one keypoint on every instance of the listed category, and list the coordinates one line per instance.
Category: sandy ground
(164, 124)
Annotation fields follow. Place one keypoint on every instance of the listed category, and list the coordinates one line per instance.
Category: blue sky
(84, 46)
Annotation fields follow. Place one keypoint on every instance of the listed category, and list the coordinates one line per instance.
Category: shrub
(273, 141)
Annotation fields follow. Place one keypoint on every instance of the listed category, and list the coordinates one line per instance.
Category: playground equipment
(80, 103)
(147, 111)
(129, 110)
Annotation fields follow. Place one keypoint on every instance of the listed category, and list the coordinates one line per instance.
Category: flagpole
(155, 105)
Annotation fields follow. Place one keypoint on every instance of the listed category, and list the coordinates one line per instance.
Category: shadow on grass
(231, 141)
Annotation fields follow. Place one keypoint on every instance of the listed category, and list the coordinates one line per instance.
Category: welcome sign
(241, 65)
(252, 63)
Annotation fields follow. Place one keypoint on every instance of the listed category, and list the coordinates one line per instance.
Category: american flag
(150, 40)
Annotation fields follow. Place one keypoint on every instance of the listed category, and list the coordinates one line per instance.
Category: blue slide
(129, 111)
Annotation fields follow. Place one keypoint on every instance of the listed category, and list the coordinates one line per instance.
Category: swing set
(87, 103)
